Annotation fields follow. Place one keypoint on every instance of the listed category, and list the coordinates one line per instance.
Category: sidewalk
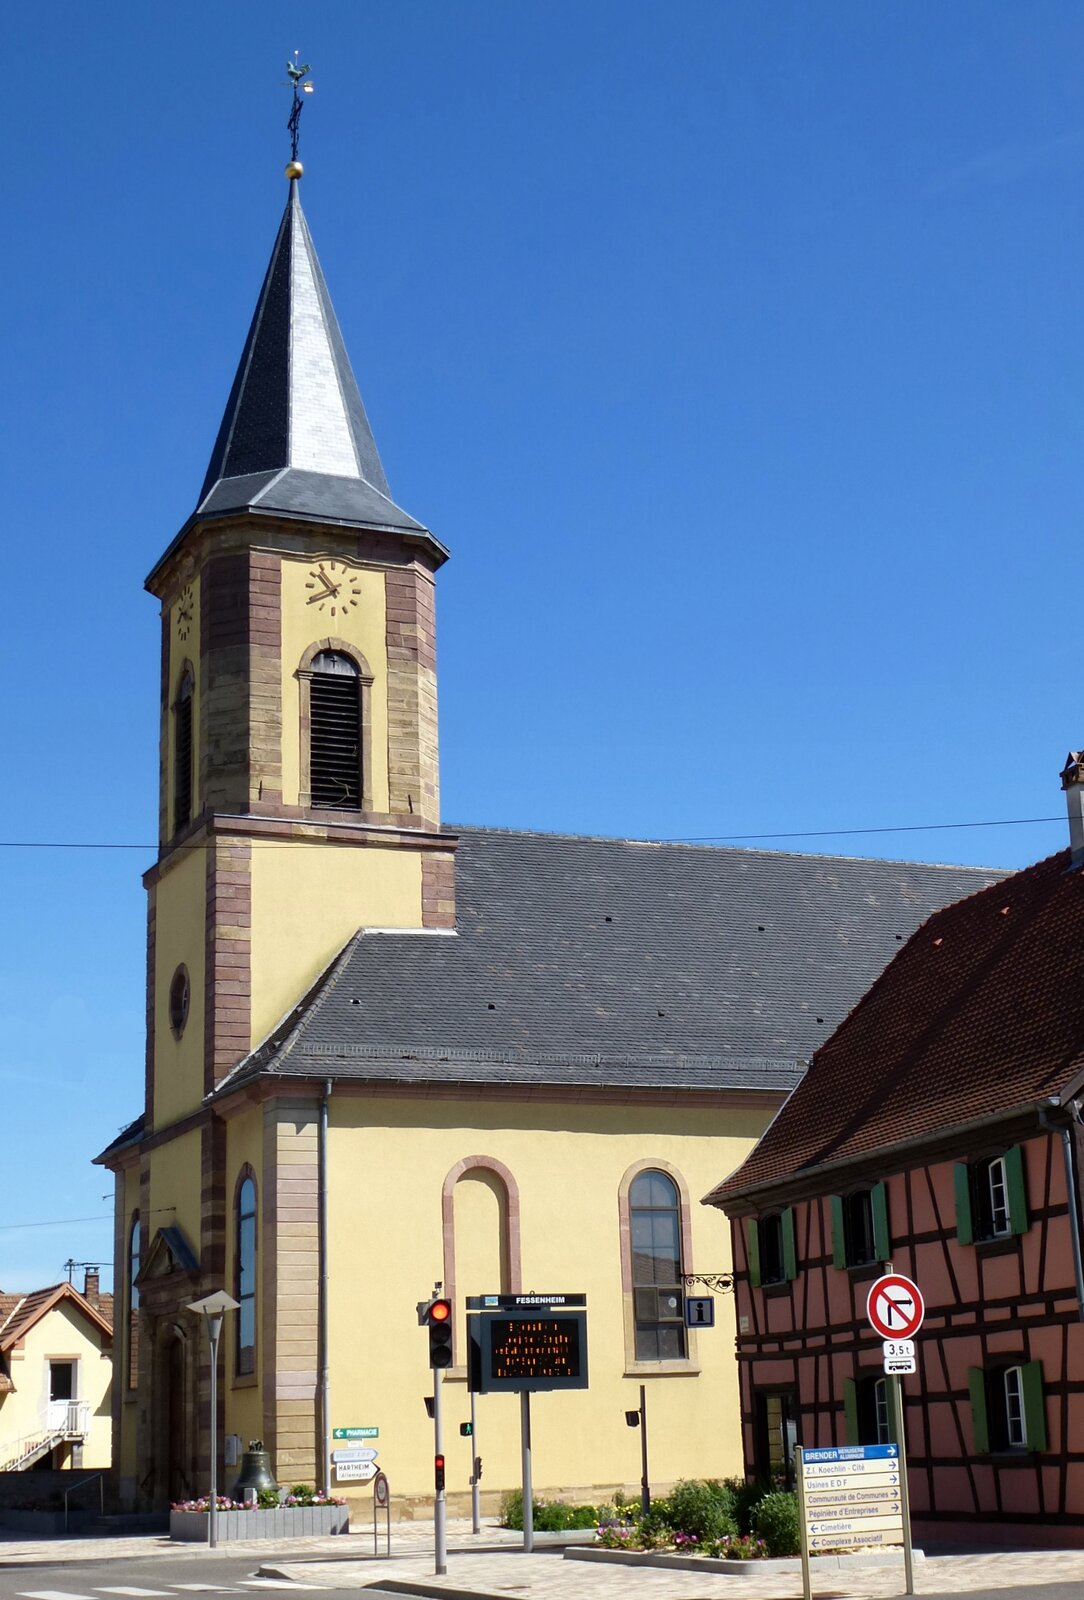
(492, 1566)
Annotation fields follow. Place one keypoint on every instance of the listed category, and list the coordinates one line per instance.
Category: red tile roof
(25, 1310)
(981, 1011)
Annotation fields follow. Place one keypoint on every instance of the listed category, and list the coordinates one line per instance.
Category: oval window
(179, 991)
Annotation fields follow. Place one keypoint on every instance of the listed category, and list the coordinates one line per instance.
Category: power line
(832, 833)
(709, 838)
(60, 1222)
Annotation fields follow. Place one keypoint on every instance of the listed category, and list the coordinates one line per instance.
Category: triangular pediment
(170, 1252)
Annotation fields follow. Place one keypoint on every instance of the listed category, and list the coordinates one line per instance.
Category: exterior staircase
(31, 1449)
(65, 1421)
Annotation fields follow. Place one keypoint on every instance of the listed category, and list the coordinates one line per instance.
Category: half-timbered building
(938, 1130)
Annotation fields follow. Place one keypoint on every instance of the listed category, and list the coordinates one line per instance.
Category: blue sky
(734, 349)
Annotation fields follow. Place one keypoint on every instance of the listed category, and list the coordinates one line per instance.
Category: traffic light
(438, 1317)
(438, 1473)
(466, 1429)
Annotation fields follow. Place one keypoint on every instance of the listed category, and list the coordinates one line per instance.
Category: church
(385, 1053)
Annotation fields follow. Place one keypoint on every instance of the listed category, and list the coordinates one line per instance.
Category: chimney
(91, 1286)
(1072, 781)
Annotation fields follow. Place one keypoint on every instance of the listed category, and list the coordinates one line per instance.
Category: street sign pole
(475, 1485)
(905, 1498)
(528, 1487)
(807, 1592)
(440, 1509)
(645, 1482)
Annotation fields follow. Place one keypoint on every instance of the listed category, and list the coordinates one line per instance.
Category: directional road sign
(355, 1471)
(355, 1453)
(355, 1433)
(850, 1497)
(895, 1307)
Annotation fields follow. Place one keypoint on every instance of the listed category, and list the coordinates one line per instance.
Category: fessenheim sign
(525, 1343)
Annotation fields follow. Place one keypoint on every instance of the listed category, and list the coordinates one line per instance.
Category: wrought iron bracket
(721, 1282)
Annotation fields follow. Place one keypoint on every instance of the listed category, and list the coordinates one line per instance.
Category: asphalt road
(181, 1577)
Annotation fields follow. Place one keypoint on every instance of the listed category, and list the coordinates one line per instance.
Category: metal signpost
(519, 1343)
(895, 1308)
(382, 1502)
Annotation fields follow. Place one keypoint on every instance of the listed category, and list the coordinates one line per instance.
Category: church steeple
(295, 439)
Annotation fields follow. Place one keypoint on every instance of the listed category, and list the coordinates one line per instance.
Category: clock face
(332, 587)
(184, 612)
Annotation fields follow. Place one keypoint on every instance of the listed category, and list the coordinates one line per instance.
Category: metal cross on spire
(297, 74)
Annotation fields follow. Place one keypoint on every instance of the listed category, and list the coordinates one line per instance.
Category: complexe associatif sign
(524, 1343)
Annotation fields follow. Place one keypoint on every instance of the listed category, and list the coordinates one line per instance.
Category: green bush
(550, 1516)
(704, 1508)
(775, 1520)
(745, 1496)
(512, 1509)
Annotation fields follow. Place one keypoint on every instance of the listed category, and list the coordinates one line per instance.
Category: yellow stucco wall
(62, 1334)
(386, 1251)
(361, 625)
(179, 937)
(307, 900)
(244, 1144)
(175, 1174)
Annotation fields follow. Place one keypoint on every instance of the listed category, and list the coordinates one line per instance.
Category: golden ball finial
(294, 169)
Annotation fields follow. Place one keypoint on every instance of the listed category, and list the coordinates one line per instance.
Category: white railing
(15, 1454)
(68, 1417)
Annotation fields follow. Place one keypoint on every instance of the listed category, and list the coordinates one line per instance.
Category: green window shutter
(839, 1238)
(1034, 1405)
(976, 1382)
(790, 1251)
(752, 1250)
(882, 1244)
(965, 1228)
(850, 1410)
(1018, 1194)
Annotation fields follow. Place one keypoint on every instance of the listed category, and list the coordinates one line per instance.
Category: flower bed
(301, 1514)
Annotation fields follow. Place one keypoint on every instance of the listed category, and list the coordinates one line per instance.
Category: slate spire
(295, 439)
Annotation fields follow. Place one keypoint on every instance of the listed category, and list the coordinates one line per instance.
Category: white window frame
(998, 1191)
(1016, 1427)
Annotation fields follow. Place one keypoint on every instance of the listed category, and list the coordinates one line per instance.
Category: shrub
(512, 1509)
(775, 1520)
(701, 1509)
(745, 1496)
(549, 1516)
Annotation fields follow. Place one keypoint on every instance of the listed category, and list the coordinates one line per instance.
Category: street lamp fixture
(213, 1308)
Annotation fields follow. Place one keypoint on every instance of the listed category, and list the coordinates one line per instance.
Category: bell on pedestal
(256, 1475)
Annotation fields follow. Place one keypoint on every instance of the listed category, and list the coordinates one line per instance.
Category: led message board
(519, 1348)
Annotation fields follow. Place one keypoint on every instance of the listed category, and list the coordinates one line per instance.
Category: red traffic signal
(438, 1473)
(438, 1317)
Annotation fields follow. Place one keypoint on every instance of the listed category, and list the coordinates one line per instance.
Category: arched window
(245, 1277)
(182, 751)
(133, 1303)
(335, 775)
(655, 1238)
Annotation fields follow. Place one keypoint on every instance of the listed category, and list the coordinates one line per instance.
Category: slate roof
(981, 1012)
(295, 440)
(607, 962)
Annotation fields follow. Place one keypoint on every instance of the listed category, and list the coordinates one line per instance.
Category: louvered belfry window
(182, 754)
(335, 732)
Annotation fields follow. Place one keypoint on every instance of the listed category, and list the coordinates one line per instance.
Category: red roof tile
(981, 1011)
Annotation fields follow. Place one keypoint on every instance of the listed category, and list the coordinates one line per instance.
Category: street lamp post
(213, 1308)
